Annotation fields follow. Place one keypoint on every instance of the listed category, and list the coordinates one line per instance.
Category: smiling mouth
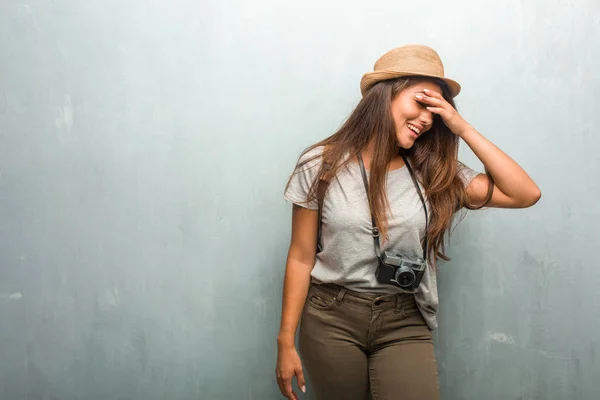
(415, 131)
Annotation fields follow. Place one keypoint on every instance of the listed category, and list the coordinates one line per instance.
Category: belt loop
(340, 294)
(399, 300)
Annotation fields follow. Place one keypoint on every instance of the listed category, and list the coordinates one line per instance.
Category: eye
(422, 105)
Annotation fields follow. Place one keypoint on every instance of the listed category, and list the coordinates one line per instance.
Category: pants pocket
(321, 300)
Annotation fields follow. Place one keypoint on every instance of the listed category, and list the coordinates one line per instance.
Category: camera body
(400, 270)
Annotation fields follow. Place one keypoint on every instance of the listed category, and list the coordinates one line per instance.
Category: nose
(426, 118)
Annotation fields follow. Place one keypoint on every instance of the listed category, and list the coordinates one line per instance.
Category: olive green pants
(357, 346)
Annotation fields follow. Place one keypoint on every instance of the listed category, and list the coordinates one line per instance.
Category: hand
(288, 365)
(438, 105)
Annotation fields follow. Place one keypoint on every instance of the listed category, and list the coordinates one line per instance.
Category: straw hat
(407, 60)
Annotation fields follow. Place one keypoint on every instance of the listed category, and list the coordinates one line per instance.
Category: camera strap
(321, 189)
(374, 229)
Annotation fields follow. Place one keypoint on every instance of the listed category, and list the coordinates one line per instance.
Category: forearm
(508, 176)
(295, 289)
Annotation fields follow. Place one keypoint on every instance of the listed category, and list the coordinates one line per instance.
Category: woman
(372, 206)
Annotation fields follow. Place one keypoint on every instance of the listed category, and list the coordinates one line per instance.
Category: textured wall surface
(144, 147)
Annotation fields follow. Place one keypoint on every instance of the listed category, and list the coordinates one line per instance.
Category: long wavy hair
(434, 158)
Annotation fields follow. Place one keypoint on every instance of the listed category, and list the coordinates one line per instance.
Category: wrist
(466, 131)
(285, 339)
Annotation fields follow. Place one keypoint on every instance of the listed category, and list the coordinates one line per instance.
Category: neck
(369, 151)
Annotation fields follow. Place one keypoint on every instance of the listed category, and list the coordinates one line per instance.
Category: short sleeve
(303, 178)
(466, 174)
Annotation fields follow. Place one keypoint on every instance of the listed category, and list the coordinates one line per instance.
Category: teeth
(414, 129)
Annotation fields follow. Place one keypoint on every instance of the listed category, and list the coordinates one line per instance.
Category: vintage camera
(400, 270)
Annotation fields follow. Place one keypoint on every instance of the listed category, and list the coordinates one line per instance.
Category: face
(411, 118)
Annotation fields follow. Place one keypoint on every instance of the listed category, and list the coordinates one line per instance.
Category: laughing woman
(372, 205)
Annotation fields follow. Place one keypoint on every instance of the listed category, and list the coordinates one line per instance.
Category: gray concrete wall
(144, 147)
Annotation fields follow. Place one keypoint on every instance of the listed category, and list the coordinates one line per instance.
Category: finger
(281, 388)
(291, 396)
(287, 389)
(436, 110)
(301, 381)
(281, 383)
(430, 100)
(433, 93)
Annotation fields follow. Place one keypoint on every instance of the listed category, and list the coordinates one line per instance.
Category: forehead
(419, 86)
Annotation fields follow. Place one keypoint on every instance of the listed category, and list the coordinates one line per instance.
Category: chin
(406, 144)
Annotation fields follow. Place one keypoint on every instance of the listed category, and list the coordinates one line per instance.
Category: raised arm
(513, 187)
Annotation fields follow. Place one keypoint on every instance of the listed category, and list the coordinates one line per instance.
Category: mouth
(415, 131)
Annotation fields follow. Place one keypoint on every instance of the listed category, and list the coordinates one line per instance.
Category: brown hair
(434, 158)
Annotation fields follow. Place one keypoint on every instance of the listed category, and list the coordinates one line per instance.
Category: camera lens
(405, 277)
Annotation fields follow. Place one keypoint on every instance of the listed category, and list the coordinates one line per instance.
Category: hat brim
(371, 78)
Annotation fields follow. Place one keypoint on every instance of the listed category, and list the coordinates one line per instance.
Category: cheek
(415, 110)
(411, 109)
(403, 112)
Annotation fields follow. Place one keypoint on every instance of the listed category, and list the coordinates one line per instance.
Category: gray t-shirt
(348, 257)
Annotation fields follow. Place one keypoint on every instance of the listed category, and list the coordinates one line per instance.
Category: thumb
(300, 380)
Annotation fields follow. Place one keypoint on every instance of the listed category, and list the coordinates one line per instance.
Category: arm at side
(300, 262)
